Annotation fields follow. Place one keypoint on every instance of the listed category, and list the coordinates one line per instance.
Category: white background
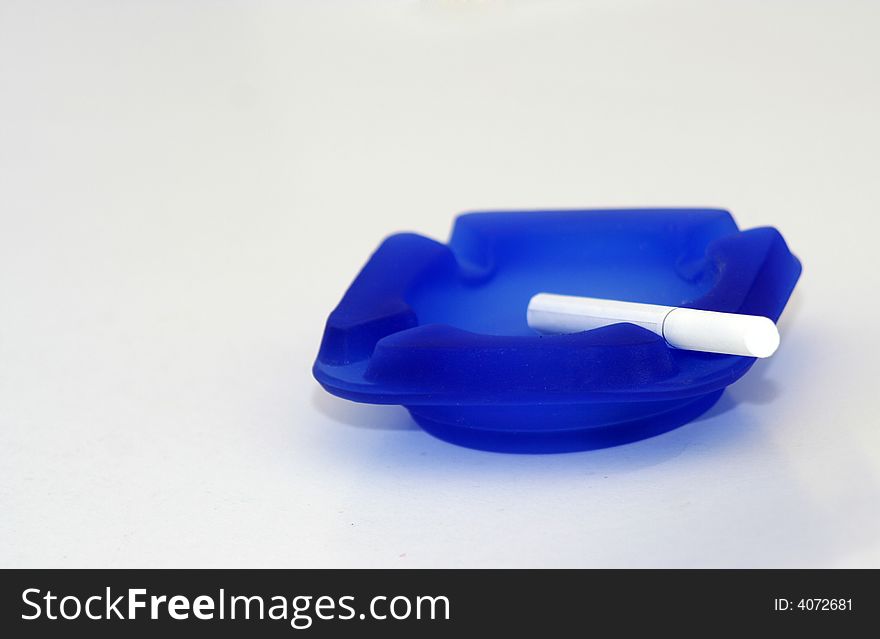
(186, 190)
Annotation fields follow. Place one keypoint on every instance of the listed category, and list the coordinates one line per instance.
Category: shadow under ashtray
(372, 417)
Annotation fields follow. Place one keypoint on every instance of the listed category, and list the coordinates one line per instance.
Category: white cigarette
(685, 328)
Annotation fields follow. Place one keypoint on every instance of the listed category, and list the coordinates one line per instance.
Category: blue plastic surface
(441, 329)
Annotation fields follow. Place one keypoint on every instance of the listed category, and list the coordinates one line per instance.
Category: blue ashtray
(441, 328)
